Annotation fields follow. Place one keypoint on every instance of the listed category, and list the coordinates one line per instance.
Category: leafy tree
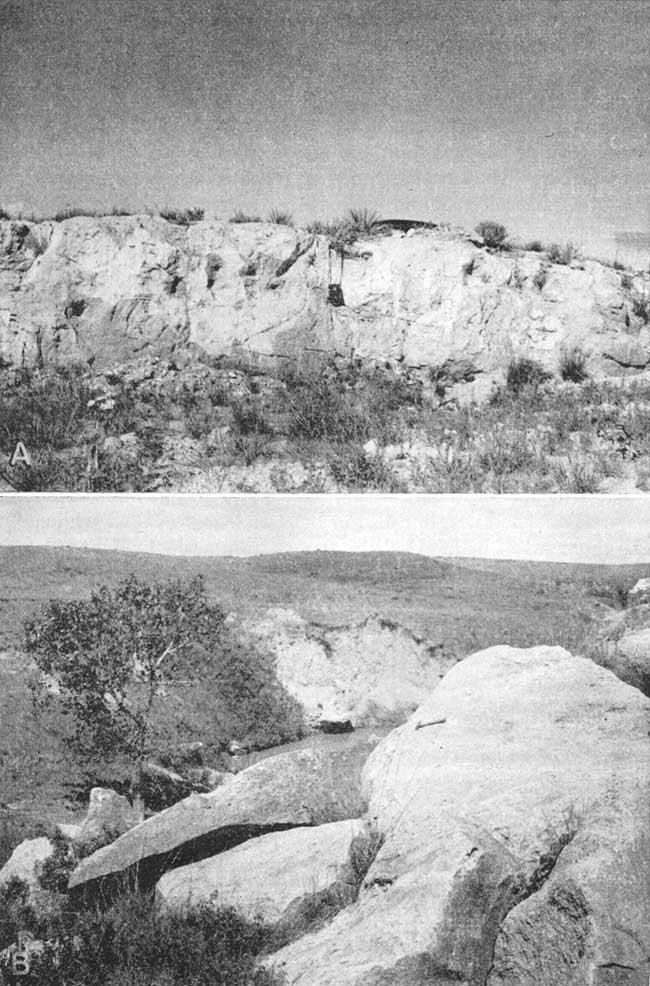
(113, 656)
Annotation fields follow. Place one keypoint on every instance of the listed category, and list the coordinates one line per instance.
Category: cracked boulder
(299, 787)
(369, 674)
(514, 808)
(277, 878)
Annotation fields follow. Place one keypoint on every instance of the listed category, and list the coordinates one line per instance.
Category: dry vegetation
(216, 424)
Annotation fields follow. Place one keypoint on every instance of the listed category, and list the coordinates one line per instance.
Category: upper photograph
(325, 246)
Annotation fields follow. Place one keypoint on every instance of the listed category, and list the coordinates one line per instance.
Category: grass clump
(494, 234)
(573, 365)
(128, 942)
(239, 216)
(361, 221)
(4, 214)
(280, 217)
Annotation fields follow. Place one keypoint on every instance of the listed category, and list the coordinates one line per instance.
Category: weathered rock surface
(109, 816)
(367, 674)
(112, 288)
(291, 789)
(275, 877)
(25, 860)
(514, 805)
(622, 644)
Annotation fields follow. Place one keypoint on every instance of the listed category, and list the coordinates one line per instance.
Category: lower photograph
(324, 741)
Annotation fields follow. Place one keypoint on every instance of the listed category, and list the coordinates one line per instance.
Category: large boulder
(514, 806)
(112, 288)
(276, 878)
(109, 816)
(370, 673)
(25, 862)
(304, 787)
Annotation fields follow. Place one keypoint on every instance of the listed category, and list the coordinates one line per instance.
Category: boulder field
(514, 805)
(107, 290)
(509, 824)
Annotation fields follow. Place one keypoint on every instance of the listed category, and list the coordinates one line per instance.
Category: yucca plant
(279, 217)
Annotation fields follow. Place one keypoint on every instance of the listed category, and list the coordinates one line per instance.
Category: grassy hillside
(464, 603)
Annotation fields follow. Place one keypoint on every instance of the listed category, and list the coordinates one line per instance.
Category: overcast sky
(573, 529)
(533, 112)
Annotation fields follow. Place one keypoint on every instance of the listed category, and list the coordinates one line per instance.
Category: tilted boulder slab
(368, 674)
(113, 288)
(304, 787)
(514, 805)
(275, 878)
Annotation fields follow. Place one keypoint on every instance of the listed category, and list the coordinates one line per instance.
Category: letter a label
(20, 454)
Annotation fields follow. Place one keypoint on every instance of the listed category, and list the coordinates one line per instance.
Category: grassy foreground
(214, 425)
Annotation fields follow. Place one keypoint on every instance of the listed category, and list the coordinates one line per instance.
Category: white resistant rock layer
(368, 674)
(514, 805)
(113, 288)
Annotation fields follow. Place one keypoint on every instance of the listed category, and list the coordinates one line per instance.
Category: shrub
(524, 372)
(641, 308)
(43, 409)
(626, 282)
(573, 365)
(183, 217)
(4, 214)
(617, 265)
(540, 278)
(562, 255)
(280, 217)
(534, 246)
(494, 234)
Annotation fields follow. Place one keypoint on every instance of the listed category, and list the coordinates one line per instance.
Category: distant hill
(465, 603)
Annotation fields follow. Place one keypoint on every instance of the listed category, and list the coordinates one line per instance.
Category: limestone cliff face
(109, 289)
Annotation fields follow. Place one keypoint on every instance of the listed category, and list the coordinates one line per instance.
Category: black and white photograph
(325, 246)
(297, 741)
(324, 493)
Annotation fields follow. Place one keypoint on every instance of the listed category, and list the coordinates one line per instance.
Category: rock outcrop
(305, 787)
(107, 290)
(622, 644)
(275, 878)
(25, 861)
(109, 816)
(369, 674)
(514, 805)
